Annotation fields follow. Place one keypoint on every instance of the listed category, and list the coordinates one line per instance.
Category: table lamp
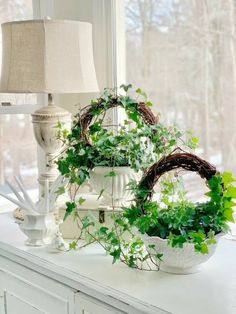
(48, 56)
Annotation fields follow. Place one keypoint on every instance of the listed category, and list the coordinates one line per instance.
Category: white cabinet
(19, 296)
(44, 281)
(24, 291)
(43, 296)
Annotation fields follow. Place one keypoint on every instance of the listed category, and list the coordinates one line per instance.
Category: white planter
(115, 188)
(39, 229)
(179, 260)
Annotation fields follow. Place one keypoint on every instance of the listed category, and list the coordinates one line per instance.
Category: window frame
(41, 8)
(109, 32)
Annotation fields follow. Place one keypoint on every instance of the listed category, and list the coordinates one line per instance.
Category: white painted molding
(109, 41)
(109, 46)
(19, 109)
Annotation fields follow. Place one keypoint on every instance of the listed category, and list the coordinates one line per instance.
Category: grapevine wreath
(100, 107)
(176, 161)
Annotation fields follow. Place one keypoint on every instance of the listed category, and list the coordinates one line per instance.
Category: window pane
(183, 53)
(18, 153)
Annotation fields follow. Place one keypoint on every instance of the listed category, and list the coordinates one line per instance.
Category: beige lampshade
(51, 56)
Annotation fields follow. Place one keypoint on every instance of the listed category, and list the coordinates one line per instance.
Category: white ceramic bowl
(179, 260)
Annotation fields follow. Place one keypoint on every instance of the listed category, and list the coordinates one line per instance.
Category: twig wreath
(174, 161)
(134, 111)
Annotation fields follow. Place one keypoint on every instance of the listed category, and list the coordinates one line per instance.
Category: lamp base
(45, 123)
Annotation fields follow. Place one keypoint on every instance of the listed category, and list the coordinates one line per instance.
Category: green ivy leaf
(231, 192)
(134, 116)
(96, 127)
(81, 152)
(103, 230)
(81, 200)
(228, 178)
(73, 245)
(116, 254)
(60, 191)
(141, 92)
(126, 87)
(111, 174)
(159, 256)
(149, 103)
(204, 248)
(63, 166)
(193, 142)
(59, 125)
(70, 207)
(87, 222)
(228, 214)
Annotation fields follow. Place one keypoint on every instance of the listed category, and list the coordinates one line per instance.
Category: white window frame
(109, 32)
(43, 8)
(40, 7)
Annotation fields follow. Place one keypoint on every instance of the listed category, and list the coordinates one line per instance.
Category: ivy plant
(181, 221)
(135, 143)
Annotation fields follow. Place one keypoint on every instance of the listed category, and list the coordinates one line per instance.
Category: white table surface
(212, 291)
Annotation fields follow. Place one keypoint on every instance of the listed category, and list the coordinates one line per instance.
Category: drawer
(23, 297)
(14, 305)
(27, 292)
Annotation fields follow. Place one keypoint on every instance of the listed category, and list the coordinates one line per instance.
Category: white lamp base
(45, 122)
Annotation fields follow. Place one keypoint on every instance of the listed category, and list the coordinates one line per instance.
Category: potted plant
(183, 233)
(111, 155)
(175, 235)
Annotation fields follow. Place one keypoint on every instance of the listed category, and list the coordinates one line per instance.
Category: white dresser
(43, 281)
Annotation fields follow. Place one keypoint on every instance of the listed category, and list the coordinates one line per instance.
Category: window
(18, 154)
(183, 53)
